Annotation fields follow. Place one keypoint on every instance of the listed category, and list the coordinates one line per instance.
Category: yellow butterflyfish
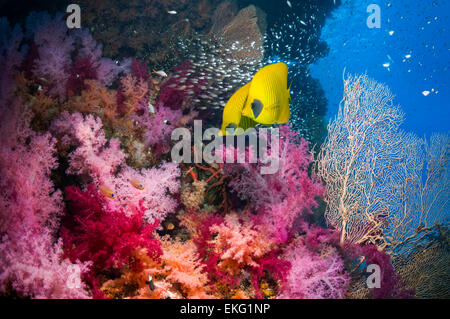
(268, 96)
(232, 120)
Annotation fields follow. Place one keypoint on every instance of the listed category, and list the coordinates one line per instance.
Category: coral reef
(152, 33)
(106, 237)
(92, 206)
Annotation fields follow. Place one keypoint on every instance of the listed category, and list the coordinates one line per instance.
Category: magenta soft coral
(54, 49)
(281, 199)
(273, 264)
(391, 285)
(81, 69)
(210, 258)
(105, 237)
(158, 126)
(139, 69)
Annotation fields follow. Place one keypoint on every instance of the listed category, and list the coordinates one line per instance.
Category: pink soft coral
(158, 126)
(26, 160)
(102, 162)
(282, 198)
(30, 262)
(35, 267)
(314, 275)
(56, 45)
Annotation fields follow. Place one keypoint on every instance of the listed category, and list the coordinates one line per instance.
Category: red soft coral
(92, 232)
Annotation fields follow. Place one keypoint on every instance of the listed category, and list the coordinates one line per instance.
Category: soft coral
(92, 232)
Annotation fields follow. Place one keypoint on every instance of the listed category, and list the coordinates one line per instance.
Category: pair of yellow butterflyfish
(265, 100)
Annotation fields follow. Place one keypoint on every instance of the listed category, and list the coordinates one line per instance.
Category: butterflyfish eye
(231, 127)
(257, 107)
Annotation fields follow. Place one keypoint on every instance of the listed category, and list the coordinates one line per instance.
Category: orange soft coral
(183, 268)
(179, 274)
(133, 91)
(96, 99)
(239, 244)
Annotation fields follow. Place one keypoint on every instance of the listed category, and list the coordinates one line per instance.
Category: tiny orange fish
(137, 184)
(107, 192)
(170, 226)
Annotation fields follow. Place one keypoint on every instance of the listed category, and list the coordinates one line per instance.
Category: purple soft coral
(54, 47)
(314, 275)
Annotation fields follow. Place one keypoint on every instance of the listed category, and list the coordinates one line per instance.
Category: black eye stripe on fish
(231, 127)
(257, 107)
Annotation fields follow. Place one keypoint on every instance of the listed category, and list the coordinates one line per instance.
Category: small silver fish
(160, 73)
(151, 108)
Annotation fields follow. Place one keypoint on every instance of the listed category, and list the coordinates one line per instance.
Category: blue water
(420, 29)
